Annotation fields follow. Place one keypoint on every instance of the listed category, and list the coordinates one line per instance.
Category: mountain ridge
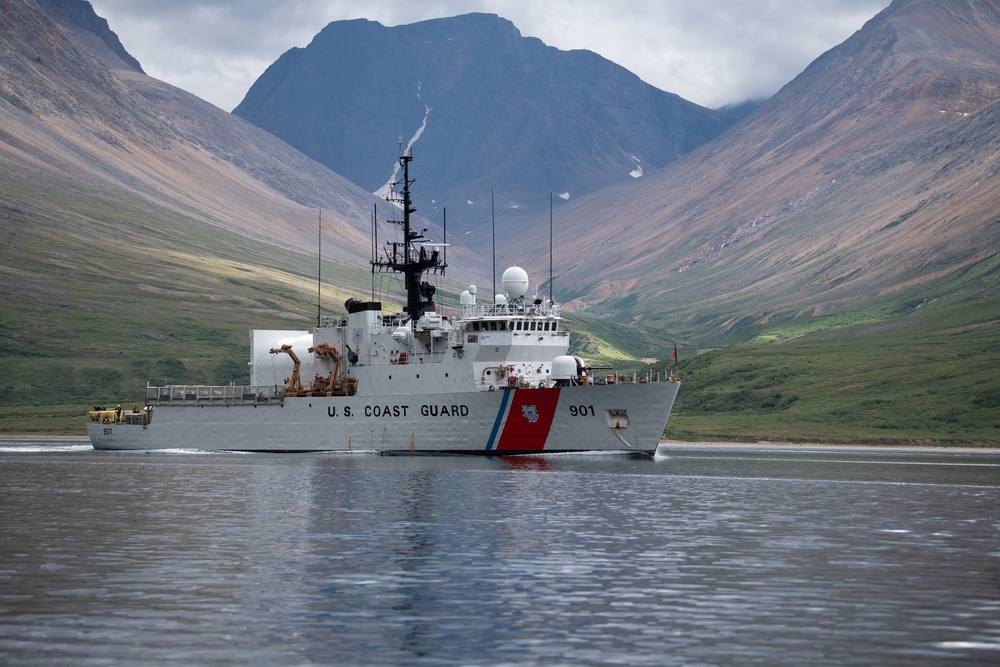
(70, 116)
(799, 209)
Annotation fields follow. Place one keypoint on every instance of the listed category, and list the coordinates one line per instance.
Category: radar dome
(515, 282)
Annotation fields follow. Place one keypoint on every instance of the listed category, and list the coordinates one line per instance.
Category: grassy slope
(88, 314)
(930, 376)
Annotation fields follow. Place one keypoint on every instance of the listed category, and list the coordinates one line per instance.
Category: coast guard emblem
(530, 413)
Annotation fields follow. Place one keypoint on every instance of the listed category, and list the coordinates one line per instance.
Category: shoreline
(666, 444)
(31, 436)
(781, 444)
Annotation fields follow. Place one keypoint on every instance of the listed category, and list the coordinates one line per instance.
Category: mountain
(143, 231)
(870, 181)
(72, 116)
(484, 107)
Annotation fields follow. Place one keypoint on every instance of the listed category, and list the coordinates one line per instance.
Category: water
(709, 555)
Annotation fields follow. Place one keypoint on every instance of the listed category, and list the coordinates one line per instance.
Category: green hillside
(100, 296)
(926, 377)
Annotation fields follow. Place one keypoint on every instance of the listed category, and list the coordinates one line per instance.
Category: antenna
(319, 270)
(374, 245)
(445, 239)
(493, 217)
(550, 246)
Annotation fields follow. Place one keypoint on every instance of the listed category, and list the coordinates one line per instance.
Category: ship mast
(409, 257)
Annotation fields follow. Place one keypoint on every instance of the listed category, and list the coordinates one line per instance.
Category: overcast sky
(711, 52)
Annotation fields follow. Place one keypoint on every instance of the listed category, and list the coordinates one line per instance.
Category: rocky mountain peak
(485, 109)
(79, 16)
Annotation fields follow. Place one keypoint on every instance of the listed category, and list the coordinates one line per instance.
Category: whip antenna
(550, 246)
(493, 217)
(319, 270)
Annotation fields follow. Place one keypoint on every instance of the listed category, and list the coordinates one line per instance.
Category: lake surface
(705, 555)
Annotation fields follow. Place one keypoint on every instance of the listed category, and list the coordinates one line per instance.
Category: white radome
(515, 282)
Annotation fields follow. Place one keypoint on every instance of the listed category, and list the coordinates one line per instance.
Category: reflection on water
(706, 555)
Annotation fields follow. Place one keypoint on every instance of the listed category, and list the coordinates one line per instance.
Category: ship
(493, 378)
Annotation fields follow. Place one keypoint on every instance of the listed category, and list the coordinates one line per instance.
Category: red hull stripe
(529, 420)
(501, 413)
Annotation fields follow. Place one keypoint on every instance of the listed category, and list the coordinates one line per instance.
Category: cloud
(711, 53)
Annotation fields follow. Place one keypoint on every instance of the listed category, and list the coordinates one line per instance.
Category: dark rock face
(486, 108)
(80, 15)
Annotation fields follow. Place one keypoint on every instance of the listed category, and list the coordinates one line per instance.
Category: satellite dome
(515, 282)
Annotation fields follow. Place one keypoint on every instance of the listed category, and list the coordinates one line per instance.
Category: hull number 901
(581, 410)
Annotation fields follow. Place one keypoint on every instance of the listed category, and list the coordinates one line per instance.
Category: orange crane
(294, 383)
(330, 382)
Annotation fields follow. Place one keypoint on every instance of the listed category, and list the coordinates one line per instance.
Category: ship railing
(666, 375)
(119, 416)
(231, 394)
(420, 358)
(473, 311)
(328, 322)
(497, 381)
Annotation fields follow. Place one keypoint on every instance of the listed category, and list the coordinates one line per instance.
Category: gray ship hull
(623, 417)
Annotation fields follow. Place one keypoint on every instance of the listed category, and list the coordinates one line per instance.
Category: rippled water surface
(705, 555)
